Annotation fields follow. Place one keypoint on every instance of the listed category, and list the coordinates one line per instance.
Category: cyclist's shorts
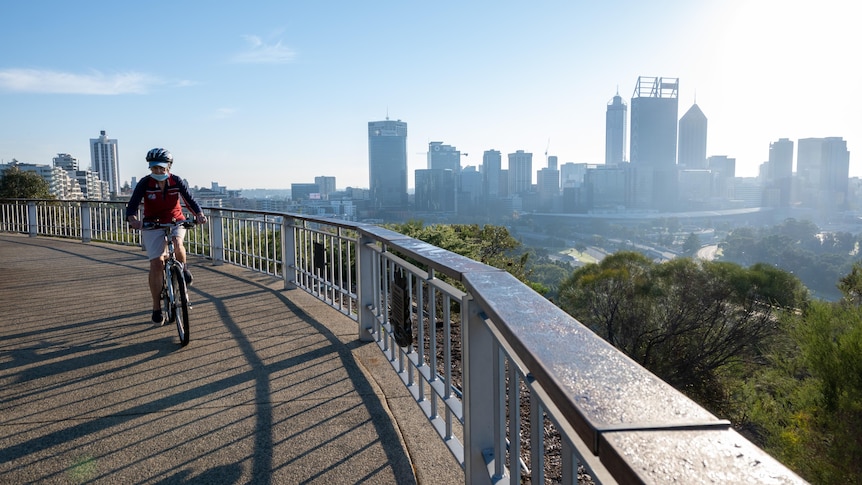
(153, 241)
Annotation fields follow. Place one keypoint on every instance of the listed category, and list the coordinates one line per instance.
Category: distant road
(707, 252)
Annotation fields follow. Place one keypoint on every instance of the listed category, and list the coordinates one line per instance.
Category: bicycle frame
(175, 301)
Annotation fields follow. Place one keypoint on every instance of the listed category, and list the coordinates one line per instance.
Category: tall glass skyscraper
(616, 119)
(823, 171)
(444, 157)
(692, 138)
(779, 178)
(105, 161)
(492, 165)
(387, 164)
(655, 105)
(520, 172)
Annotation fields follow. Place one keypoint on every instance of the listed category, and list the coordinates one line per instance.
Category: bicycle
(175, 298)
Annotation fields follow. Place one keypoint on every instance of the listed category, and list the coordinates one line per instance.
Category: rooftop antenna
(387, 113)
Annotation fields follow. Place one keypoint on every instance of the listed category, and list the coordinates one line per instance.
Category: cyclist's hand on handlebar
(136, 224)
(200, 218)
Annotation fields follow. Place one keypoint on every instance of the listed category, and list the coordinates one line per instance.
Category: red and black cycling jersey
(162, 205)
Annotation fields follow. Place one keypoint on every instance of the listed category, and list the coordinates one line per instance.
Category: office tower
(606, 186)
(552, 162)
(492, 162)
(723, 170)
(836, 173)
(616, 119)
(105, 161)
(653, 143)
(471, 189)
(823, 172)
(548, 184)
(304, 191)
(443, 157)
(695, 188)
(520, 172)
(387, 165)
(654, 122)
(692, 138)
(435, 190)
(326, 184)
(779, 172)
(572, 174)
(723, 165)
(808, 163)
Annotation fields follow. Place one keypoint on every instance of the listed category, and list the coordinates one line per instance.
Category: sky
(262, 94)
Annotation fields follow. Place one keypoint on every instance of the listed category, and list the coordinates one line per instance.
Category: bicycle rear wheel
(181, 304)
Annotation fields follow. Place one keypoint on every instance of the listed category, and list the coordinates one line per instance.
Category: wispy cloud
(260, 52)
(95, 82)
(223, 113)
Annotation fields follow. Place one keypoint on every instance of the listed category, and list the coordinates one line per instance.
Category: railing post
(365, 288)
(479, 395)
(288, 253)
(32, 227)
(86, 223)
(216, 221)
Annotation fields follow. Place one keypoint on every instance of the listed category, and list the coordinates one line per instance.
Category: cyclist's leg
(156, 277)
(180, 252)
(179, 249)
(155, 244)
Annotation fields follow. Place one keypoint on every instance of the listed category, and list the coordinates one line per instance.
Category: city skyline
(264, 94)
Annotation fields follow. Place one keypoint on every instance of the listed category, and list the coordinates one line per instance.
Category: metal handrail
(610, 418)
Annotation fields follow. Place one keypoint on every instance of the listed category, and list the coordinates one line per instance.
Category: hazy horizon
(265, 94)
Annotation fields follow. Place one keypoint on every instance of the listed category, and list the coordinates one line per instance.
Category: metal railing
(514, 386)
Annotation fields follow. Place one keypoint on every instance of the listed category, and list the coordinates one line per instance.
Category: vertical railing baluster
(514, 423)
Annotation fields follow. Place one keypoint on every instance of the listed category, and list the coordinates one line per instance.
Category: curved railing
(471, 343)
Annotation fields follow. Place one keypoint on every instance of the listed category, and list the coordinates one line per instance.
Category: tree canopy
(21, 184)
(683, 320)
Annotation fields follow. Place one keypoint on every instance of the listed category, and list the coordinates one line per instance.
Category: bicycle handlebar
(162, 225)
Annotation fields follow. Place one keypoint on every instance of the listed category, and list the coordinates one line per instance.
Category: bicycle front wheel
(181, 302)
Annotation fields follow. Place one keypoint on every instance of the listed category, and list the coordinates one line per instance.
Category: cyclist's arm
(134, 202)
(190, 201)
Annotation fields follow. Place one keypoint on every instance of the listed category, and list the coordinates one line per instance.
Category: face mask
(160, 176)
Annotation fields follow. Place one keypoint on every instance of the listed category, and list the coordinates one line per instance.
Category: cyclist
(161, 192)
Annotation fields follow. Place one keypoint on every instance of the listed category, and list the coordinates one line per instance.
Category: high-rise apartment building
(616, 121)
(86, 184)
(387, 165)
(692, 139)
(520, 172)
(105, 161)
(653, 141)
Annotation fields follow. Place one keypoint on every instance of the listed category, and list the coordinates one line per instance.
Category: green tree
(691, 245)
(684, 320)
(489, 244)
(808, 402)
(22, 184)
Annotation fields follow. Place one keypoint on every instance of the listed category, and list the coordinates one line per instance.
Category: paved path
(273, 388)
